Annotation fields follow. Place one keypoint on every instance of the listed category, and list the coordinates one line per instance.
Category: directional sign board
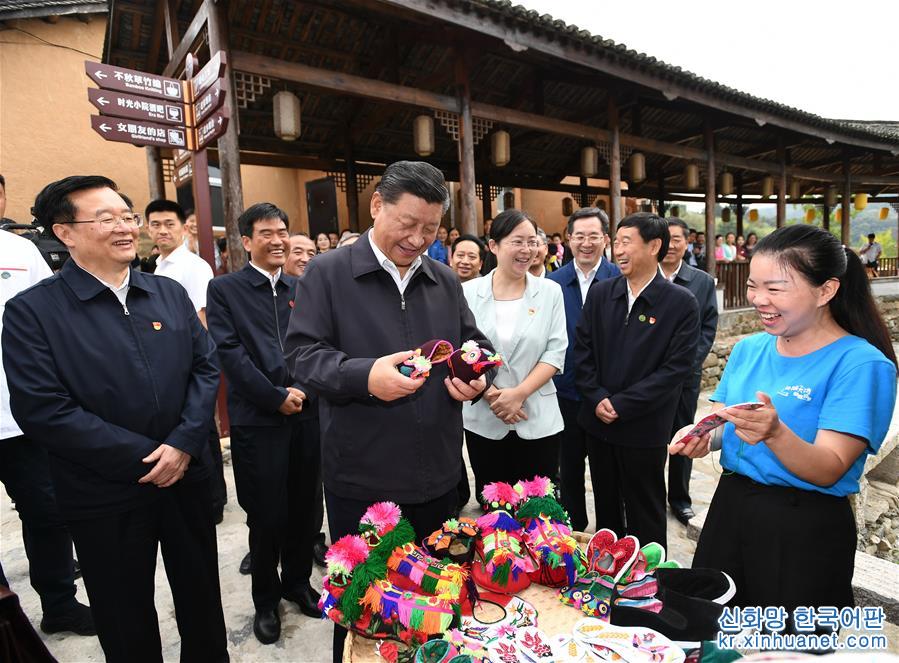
(142, 133)
(182, 173)
(209, 73)
(135, 107)
(209, 101)
(213, 127)
(109, 77)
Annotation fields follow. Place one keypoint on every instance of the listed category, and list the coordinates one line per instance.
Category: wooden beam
(614, 169)
(466, 146)
(572, 52)
(171, 25)
(175, 67)
(156, 37)
(352, 193)
(738, 177)
(228, 144)
(710, 198)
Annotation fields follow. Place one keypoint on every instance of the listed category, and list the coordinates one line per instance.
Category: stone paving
(303, 640)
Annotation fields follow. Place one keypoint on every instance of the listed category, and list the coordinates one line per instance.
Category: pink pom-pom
(382, 516)
(536, 487)
(500, 493)
(345, 554)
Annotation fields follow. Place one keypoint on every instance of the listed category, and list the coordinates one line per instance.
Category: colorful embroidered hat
(471, 361)
(412, 568)
(454, 540)
(505, 560)
(547, 533)
(420, 363)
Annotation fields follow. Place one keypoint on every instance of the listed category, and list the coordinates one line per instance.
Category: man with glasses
(114, 375)
(588, 231)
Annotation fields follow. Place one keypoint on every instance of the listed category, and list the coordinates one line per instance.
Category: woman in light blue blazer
(513, 432)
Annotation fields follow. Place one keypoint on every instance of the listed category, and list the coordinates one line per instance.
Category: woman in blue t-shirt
(780, 523)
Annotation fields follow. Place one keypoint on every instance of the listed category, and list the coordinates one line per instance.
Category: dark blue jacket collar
(364, 261)
(87, 286)
(650, 292)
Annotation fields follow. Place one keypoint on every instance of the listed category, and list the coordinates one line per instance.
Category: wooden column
(663, 208)
(710, 200)
(781, 185)
(614, 169)
(229, 149)
(584, 193)
(154, 173)
(825, 215)
(352, 193)
(466, 147)
(846, 226)
(739, 186)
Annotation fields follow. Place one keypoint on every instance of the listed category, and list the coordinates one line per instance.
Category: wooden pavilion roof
(516, 60)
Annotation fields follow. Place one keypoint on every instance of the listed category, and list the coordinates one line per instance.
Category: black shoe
(267, 626)
(76, 620)
(246, 565)
(319, 550)
(77, 567)
(683, 514)
(306, 599)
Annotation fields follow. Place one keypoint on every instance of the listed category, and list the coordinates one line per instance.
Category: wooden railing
(732, 276)
(887, 267)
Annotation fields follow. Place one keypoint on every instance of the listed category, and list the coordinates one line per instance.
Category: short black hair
(702, 232)
(507, 221)
(127, 199)
(222, 243)
(259, 212)
(650, 226)
(559, 235)
(586, 213)
(163, 205)
(417, 178)
(482, 250)
(674, 221)
(871, 235)
(52, 204)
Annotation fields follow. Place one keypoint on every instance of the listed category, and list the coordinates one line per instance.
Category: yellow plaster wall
(45, 131)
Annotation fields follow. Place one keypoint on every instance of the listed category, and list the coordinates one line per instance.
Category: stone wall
(734, 325)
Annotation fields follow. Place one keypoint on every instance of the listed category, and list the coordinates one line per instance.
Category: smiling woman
(780, 522)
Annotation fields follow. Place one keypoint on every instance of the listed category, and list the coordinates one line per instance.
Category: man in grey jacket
(359, 313)
(703, 288)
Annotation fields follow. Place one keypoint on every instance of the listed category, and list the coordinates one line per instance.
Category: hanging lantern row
(675, 211)
(830, 196)
(794, 190)
(810, 214)
(767, 186)
(725, 215)
(753, 215)
(637, 167)
(287, 115)
(691, 176)
(423, 135)
(861, 201)
(839, 215)
(589, 161)
(884, 213)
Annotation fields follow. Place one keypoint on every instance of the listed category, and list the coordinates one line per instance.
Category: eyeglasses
(111, 220)
(581, 237)
(520, 243)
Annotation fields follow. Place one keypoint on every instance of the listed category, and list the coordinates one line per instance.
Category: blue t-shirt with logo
(847, 386)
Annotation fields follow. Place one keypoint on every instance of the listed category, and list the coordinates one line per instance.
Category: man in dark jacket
(276, 459)
(588, 232)
(116, 380)
(360, 312)
(703, 288)
(635, 345)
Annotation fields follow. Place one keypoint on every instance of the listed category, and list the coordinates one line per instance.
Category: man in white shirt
(25, 472)
(166, 226)
(870, 254)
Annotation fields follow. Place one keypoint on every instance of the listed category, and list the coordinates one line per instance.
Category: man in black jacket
(276, 458)
(116, 379)
(361, 311)
(635, 345)
(703, 288)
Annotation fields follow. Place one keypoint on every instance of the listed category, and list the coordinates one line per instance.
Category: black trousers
(511, 458)
(629, 489)
(25, 472)
(680, 467)
(217, 471)
(276, 472)
(782, 546)
(344, 515)
(118, 562)
(573, 465)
